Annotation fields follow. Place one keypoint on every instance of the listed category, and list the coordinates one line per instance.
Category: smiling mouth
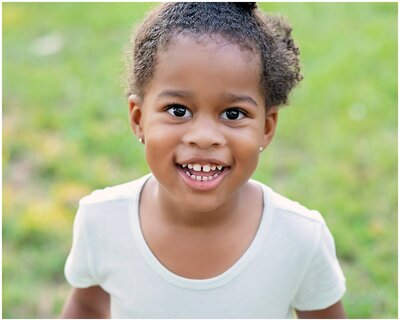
(203, 173)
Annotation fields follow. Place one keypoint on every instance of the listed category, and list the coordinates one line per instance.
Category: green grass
(66, 132)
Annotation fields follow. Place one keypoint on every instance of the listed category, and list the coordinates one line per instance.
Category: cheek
(160, 143)
(246, 146)
(249, 159)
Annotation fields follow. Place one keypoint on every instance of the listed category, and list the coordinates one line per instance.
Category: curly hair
(239, 23)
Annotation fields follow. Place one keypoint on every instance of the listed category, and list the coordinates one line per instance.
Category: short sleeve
(78, 270)
(324, 283)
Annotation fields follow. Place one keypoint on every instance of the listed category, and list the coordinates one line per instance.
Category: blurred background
(66, 132)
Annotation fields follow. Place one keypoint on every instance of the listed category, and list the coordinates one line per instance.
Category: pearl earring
(261, 149)
(141, 140)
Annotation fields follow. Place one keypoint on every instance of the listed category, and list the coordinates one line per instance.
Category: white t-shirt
(291, 263)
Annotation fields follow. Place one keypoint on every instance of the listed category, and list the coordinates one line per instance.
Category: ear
(135, 115)
(271, 120)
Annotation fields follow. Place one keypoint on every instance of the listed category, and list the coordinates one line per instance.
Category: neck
(175, 214)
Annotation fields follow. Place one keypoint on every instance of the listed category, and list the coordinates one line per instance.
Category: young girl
(197, 238)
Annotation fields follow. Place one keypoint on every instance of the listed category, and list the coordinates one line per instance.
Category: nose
(204, 133)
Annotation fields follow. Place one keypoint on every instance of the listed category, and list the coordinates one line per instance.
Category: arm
(335, 311)
(88, 303)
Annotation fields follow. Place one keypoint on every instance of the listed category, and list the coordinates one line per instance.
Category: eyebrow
(176, 93)
(232, 98)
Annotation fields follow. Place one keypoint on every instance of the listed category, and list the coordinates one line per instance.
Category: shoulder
(293, 209)
(291, 221)
(287, 207)
(121, 192)
(108, 209)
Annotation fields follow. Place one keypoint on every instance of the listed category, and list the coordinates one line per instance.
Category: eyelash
(244, 113)
(169, 107)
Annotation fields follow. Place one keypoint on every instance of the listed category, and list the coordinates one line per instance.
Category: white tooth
(190, 166)
(215, 175)
(193, 176)
(206, 168)
(198, 178)
(213, 167)
(187, 173)
(219, 167)
(184, 165)
(204, 178)
(197, 167)
(210, 178)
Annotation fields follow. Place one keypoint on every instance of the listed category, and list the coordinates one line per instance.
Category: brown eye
(178, 111)
(233, 114)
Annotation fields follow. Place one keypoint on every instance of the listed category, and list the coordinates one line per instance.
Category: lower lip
(202, 185)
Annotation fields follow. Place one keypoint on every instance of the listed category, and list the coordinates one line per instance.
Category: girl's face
(203, 121)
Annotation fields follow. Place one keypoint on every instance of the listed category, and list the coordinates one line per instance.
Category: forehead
(209, 62)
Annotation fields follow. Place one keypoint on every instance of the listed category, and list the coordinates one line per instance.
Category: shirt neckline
(198, 284)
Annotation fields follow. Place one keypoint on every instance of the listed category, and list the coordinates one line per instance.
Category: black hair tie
(247, 6)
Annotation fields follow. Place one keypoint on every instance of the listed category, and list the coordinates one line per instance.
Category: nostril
(204, 143)
(204, 136)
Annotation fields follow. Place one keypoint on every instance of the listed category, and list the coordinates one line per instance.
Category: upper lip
(203, 161)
